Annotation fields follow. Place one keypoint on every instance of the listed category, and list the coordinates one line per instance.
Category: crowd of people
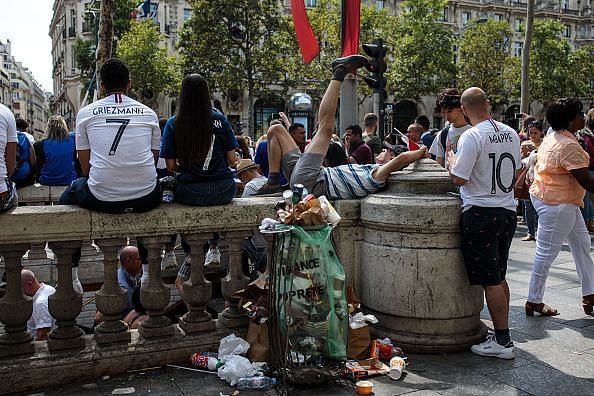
(113, 161)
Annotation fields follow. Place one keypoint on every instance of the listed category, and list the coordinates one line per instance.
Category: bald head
(130, 259)
(29, 282)
(475, 105)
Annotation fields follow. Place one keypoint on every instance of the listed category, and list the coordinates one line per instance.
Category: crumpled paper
(358, 320)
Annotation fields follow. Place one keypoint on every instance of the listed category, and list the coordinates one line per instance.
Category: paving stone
(542, 379)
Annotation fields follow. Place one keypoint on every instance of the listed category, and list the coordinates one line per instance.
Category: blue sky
(26, 24)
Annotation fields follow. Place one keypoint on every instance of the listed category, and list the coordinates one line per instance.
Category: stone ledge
(52, 369)
(40, 194)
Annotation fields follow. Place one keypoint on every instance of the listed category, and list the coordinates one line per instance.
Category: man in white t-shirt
(8, 145)
(448, 104)
(117, 141)
(485, 168)
(247, 172)
(41, 322)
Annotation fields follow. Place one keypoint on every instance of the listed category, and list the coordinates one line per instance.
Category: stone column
(413, 278)
(37, 252)
(15, 307)
(111, 299)
(197, 291)
(234, 315)
(154, 295)
(65, 304)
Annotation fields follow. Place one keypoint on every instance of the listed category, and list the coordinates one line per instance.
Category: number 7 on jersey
(116, 141)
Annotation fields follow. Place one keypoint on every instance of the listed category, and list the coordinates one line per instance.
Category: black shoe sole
(351, 62)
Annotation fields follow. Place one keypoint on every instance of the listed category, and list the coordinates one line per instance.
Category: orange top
(554, 183)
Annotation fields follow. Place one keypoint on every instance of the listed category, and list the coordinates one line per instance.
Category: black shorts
(486, 236)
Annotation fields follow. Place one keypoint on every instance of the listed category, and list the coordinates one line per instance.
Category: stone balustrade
(70, 355)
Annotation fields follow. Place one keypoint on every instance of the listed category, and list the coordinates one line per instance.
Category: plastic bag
(311, 295)
(236, 367)
(232, 345)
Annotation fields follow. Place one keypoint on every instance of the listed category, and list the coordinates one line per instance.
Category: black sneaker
(350, 63)
(270, 191)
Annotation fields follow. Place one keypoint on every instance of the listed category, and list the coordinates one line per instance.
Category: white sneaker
(213, 257)
(168, 262)
(490, 347)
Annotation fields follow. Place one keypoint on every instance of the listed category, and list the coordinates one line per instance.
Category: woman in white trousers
(560, 181)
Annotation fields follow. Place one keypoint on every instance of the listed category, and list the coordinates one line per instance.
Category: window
(564, 4)
(518, 48)
(379, 4)
(567, 31)
(499, 17)
(518, 24)
(153, 11)
(311, 3)
(73, 20)
(466, 17)
(592, 31)
(17, 106)
(187, 13)
(445, 16)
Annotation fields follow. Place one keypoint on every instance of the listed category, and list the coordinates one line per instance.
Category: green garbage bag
(310, 293)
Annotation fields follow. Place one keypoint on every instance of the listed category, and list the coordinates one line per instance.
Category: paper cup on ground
(364, 387)
(396, 367)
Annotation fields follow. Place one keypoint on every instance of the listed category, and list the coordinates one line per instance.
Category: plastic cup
(396, 367)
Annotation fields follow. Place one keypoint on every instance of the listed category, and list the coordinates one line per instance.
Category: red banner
(351, 26)
(306, 38)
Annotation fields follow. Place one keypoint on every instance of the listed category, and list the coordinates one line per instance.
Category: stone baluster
(154, 295)
(111, 299)
(65, 304)
(197, 291)
(37, 252)
(15, 307)
(234, 315)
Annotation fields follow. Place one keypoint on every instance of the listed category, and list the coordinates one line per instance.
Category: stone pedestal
(197, 291)
(111, 299)
(15, 307)
(234, 315)
(412, 273)
(154, 295)
(65, 304)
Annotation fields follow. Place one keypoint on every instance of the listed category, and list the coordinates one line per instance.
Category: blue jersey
(56, 159)
(214, 167)
(23, 168)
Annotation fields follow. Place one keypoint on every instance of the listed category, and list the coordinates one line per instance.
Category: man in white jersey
(117, 141)
(485, 169)
(341, 182)
(448, 104)
(8, 146)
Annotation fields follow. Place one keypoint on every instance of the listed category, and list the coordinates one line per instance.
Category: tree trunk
(105, 37)
(525, 85)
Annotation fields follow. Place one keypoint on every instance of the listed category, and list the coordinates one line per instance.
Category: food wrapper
(365, 368)
(305, 213)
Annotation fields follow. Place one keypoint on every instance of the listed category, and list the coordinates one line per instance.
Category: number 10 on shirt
(496, 173)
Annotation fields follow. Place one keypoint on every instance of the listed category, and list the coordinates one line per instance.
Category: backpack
(443, 137)
(21, 152)
(589, 147)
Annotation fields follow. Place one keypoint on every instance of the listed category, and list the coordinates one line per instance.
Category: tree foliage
(484, 60)
(230, 42)
(421, 56)
(152, 71)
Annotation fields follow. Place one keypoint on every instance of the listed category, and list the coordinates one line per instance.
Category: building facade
(69, 23)
(22, 94)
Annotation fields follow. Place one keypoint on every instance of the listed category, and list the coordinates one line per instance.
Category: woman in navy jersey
(199, 145)
(56, 154)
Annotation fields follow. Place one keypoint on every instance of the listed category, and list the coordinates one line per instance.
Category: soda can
(297, 193)
(200, 361)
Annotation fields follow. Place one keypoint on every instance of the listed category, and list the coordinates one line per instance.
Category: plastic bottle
(261, 383)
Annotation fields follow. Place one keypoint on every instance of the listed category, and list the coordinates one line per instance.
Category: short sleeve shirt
(374, 142)
(488, 157)
(41, 318)
(559, 154)
(8, 134)
(451, 142)
(215, 166)
(363, 154)
(120, 133)
(128, 282)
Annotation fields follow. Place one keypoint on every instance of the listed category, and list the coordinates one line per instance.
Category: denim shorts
(217, 192)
